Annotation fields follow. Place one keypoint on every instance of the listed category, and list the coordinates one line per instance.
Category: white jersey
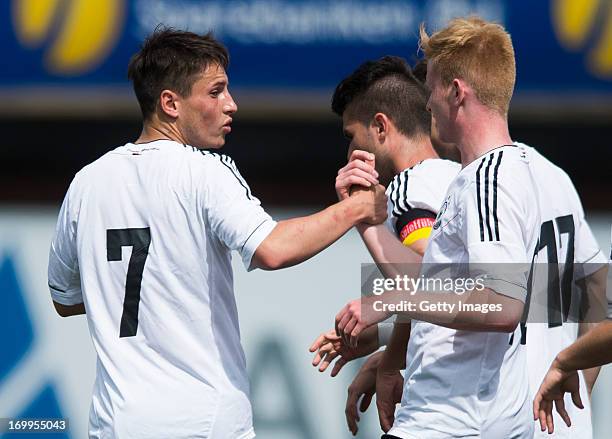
(413, 199)
(474, 384)
(564, 233)
(421, 187)
(144, 239)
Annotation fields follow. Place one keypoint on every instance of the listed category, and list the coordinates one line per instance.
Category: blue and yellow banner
(562, 46)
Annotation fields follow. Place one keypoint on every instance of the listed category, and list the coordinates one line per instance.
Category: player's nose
(230, 106)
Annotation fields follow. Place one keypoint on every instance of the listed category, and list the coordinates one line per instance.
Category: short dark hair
(171, 59)
(420, 70)
(385, 86)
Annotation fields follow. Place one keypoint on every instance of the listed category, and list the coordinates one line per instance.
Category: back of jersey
(152, 226)
(565, 244)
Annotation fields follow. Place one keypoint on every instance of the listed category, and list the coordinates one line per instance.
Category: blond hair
(477, 51)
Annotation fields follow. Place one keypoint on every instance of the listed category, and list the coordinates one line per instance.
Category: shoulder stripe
(398, 194)
(480, 220)
(499, 159)
(396, 208)
(486, 197)
(487, 210)
(405, 197)
(229, 164)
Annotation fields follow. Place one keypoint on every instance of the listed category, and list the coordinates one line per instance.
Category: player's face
(206, 114)
(439, 107)
(364, 137)
(358, 136)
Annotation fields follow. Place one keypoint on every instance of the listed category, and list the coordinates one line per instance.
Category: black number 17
(139, 240)
(559, 289)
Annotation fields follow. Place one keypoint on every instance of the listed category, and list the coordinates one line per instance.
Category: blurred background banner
(562, 46)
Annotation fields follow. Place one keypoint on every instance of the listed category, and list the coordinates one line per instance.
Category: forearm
(295, 240)
(394, 357)
(590, 375)
(461, 312)
(591, 350)
(390, 255)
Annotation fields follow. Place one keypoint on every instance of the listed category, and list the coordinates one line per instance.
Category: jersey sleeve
(414, 198)
(234, 214)
(496, 225)
(63, 273)
(587, 249)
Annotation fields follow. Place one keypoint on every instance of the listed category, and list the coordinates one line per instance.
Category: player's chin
(218, 143)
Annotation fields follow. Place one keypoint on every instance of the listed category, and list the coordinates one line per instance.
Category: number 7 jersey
(144, 239)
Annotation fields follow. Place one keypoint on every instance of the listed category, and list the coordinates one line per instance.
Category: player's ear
(169, 103)
(381, 124)
(457, 92)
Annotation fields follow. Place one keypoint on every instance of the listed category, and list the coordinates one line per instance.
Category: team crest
(436, 225)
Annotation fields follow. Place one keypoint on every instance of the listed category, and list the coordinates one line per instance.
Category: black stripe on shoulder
(229, 164)
(487, 186)
(495, 171)
(393, 195)
(404, 200)
(398, 194)
(480, 220)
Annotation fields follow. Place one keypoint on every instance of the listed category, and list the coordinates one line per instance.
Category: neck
(156, 129)
(412, 151)
(481, 135)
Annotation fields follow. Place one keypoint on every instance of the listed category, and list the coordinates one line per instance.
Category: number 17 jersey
(567, 240)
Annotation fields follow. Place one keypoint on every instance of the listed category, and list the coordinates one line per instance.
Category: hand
(552, 390)
(373, 201)
(330, 346)
(364, 384)
(351, 321)
(358, 171)
(389, 388)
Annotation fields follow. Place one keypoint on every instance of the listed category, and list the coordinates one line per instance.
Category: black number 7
(139, 239)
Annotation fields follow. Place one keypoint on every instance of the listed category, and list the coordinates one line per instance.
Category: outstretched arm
(295, 240)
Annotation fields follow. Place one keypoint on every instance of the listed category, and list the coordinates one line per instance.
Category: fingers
(542, 415)
(341, 325)
(348, 329)
(354, 335)
(359, 154)
(338, 365)
(549, 418)
(576, 399)
(320, 341)
(339, 318)
(385, 417)
(359, 165)
(327, 360)
(560, 406)
(323, 352)
(365, 401)
(371, 178)
(350, 411)
(536, 406)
